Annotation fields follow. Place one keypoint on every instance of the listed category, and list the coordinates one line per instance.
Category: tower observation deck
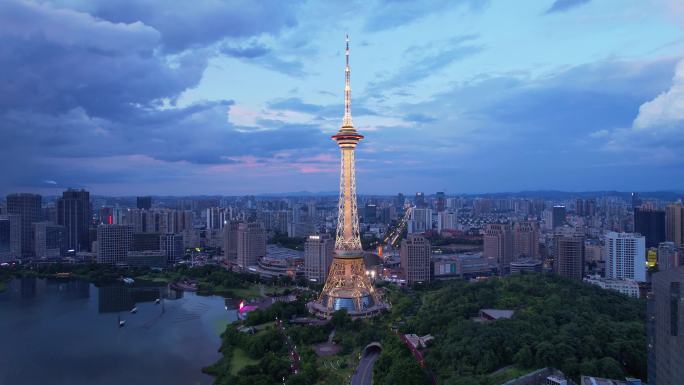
(347, 287)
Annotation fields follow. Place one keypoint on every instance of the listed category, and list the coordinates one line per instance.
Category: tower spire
(347, 120)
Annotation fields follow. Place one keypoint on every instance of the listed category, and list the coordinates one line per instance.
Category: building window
(675, 295)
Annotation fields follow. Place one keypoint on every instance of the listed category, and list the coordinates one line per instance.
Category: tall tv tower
(347, 287)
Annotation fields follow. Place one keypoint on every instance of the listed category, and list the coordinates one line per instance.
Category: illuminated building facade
(347, 286)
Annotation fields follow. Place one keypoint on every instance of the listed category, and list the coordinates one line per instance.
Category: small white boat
(121, 322)
(156, 301)
(134, 310)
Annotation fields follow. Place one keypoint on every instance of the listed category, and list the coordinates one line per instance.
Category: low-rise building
(627, 287)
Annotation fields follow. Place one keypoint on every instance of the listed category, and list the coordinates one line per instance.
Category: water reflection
(70, 329)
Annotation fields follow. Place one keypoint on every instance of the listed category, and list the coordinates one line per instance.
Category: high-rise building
(113, 243)
(498, 245)
(172, 246)
(579, 207)
(674, 220)
(420, 220)
(665, 328)
(347, 286)
(651, 224)
(144, 203)
(28, 209)
(557, 216)
(625, 255)
(416, 255)
(230, 240)
(569, 248)
(145, 242)
(370, 213)
(400, 200)
(420, 200)
(440, 201)
(251, 244)
(447, 220)
(318, 255)
(217, 217)
(10, 237)
(526, 239)
(73, 212)
(669, 256)
(636, 200)
(50, 240)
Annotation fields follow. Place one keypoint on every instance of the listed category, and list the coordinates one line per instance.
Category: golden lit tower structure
(348, 285)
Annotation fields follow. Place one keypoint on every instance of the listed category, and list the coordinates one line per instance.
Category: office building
(651, 224)
(49, 239)
(144, 203)
(400, 200)
(569, 252)
(10, 237)
(73, 212)
(370, 213)
(172, 246)
(230, 231)
(526, 239)
(420, 200)
(29, 211)
(498, 245)
(558, 214)
(625, 255)
(251, 244)
(416, 256)
(318, 255)
(526, 265)
(145, 242)
(146, 258)
(673, 223)
(665, 328)
(113, 243)
(440, 201)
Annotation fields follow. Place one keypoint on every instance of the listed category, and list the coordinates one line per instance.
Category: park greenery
(575, 327)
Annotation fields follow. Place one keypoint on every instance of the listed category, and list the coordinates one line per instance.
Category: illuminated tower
(348, 286)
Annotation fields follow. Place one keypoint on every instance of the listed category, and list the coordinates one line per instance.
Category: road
(364, 372)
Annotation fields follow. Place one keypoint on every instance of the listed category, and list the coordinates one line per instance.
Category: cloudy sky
(231, 97)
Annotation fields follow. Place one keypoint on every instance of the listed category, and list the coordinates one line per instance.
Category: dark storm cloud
(197, 23)
(89, 99)
(55, 60)
(565, 5)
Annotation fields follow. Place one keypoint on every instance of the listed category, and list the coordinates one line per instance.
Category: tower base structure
(349, 288)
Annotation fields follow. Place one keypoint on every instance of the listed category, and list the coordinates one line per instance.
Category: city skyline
(123, 102)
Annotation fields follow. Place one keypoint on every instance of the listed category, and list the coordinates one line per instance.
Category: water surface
(66, 333)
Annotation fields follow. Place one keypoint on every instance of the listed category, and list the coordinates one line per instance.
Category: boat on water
(128, 281)
(122, 322)
(156, 301)
(134, 310)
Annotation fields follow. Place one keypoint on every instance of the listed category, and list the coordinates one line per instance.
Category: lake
(61, 332)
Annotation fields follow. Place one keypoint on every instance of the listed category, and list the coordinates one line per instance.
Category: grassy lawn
(500, 377)
(250, 292)
(240, 360)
